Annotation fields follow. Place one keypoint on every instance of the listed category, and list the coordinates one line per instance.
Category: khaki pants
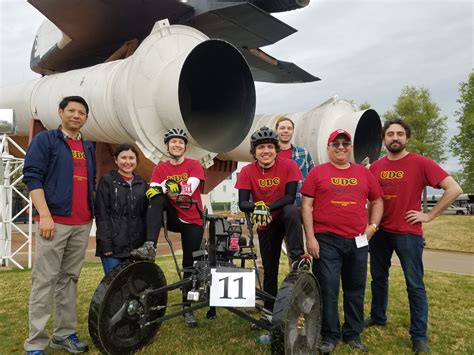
(58, 263)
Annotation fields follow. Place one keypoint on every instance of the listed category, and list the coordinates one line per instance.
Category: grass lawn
(451, 322)
(454, 233)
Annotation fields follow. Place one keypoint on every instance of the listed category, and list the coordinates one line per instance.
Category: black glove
(261, 215)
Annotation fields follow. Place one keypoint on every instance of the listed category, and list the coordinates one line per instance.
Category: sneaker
(357, 345)
(146, 252)
(303, 264)
(190, 320)
(326, 347)
(267, 320)
(35, 352)
(420, 346)
(369, 322)
(71, 344)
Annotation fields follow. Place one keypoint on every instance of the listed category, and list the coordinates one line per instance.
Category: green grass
(454, 233)
(451, 322)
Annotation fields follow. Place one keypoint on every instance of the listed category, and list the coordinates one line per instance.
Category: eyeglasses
(337, 144)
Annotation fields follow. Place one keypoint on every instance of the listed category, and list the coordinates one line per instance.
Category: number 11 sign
(232, 288)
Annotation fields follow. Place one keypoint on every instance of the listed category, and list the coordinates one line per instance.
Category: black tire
(459, 213)
(297, 315)
(111, 326)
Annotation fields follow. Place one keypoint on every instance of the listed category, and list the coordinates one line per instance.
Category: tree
(462, 144)
(416, 107)
(364, 106)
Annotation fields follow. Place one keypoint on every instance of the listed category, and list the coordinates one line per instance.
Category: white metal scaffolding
(10, 177)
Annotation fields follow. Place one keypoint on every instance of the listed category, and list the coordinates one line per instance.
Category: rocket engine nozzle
(177, 77)
(216, 96)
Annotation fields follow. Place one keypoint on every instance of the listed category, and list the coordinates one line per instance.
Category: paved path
(436, 260)
(446, 261)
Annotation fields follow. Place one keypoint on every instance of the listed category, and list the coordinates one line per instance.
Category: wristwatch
(374, 227)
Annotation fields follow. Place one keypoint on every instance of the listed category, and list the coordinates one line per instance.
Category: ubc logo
(77, 154)
(344, 181)
(178, 178)
(269, 182)
(391, 174)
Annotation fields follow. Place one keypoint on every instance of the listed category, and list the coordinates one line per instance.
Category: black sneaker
(146, 252)
(357, 345)
(420, 346)
(71, 344)
(326, 347)
(267, 320)
(369, 322)
(190, 320)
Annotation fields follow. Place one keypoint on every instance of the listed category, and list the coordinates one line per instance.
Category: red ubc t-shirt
(340, 197)
(268, 185)
(81, 212)
(286, 153)
(402, 182)
(180, 173)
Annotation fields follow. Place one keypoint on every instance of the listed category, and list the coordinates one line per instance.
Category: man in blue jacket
(60, 174)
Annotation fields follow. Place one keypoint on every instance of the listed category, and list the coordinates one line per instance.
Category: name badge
(361, 240)
(232, 289)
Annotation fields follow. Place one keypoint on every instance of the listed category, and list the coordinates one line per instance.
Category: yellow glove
(261, 215)
(153, 191)
(172, 186)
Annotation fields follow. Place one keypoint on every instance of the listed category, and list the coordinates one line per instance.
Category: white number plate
(232, 289)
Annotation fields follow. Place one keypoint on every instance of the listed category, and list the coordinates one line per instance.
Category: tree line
(416, 106)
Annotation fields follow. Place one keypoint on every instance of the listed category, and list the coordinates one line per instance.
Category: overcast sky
(365, 51)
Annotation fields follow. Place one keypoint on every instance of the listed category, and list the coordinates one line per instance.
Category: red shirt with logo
(81, 212)
(286, 153)
(402, 182)
(340, 198)
(268, 185)
(181, 173)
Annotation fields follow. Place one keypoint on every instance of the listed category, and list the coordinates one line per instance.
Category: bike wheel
(115, 308)
(297, 315)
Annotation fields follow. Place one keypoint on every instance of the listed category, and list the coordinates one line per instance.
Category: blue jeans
(109, 263)
(409, 248)
(340, 259)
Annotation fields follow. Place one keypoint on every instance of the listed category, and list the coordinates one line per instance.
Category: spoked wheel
(297, 315)
(115, 308)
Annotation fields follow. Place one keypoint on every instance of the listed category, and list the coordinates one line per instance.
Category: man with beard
(337, 226)
(285, 129)
(267, 188)
(176, 176)
(403, 176)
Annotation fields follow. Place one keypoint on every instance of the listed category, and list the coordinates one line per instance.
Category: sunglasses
(337, 144)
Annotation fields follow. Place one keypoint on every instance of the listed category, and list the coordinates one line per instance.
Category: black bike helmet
(263, 135)
(176, 133)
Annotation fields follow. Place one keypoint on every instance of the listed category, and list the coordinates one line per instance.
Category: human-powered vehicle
(130, 303)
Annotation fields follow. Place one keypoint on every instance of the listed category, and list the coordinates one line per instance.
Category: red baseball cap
(337, 132)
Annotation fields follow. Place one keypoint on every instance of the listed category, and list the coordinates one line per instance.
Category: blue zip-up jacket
(48, 166)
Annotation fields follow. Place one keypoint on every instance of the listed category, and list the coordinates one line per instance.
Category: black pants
(341, 260)
(191, 234)
(288, 224)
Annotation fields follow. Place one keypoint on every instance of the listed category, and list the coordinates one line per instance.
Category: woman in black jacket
(120, 210)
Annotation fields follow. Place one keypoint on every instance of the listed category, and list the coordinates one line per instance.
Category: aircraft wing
(247, 27)
(92, 30)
